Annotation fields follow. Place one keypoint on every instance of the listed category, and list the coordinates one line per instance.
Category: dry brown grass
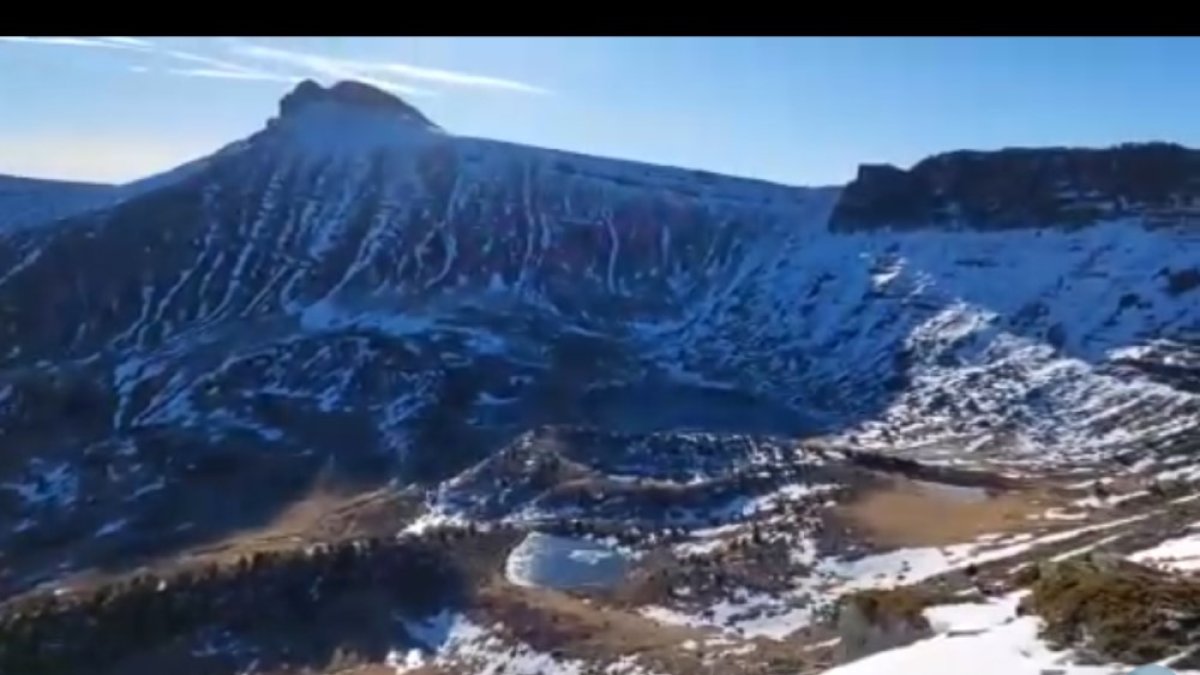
(904, 513)
(547, 620)
(325, 515)
(1117, 609)
(349, 627)
(574, 627)
(905, 603)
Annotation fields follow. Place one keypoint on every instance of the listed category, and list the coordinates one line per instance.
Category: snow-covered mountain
(705, 391)
(355, 282)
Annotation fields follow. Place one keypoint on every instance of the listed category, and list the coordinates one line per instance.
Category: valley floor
(759, 584)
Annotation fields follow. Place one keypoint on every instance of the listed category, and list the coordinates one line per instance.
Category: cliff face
(1023, 188)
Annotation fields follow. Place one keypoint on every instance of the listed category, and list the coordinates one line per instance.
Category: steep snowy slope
(355, 283)
(1022, 337)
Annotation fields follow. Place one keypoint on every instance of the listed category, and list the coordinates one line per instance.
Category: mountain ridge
(425, 168)
(1029, 187)
(249, 373)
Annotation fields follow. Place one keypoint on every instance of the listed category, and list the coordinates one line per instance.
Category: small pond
(564, 563)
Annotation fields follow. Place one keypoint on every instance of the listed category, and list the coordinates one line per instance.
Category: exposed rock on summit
(349, 93)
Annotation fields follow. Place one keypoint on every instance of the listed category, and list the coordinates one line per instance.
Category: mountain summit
(351, 95)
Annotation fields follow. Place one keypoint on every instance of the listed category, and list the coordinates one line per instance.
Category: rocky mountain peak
(352, 95)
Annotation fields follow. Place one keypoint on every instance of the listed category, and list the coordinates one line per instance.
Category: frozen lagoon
(564, 563)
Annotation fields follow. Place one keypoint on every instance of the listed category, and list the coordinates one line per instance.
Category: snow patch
(111, 528)
(1181, 554)
(451, 639)
(982, 640)
(46, 484)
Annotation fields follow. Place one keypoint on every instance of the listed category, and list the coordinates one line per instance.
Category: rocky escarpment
(1022, 188)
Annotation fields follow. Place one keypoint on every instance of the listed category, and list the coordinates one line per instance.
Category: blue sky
(799, 111)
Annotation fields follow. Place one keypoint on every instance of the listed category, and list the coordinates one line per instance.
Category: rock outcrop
(1022, 188)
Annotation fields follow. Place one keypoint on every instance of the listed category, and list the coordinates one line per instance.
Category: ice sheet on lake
(564, 562)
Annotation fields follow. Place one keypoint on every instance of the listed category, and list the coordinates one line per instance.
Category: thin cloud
(356, 69)
(456, 78)
(212, 67)
(136, 43)
(221, 74)
(103, 43)
(339, 69)
(289, 66)
(203, 60)
(221, 68)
